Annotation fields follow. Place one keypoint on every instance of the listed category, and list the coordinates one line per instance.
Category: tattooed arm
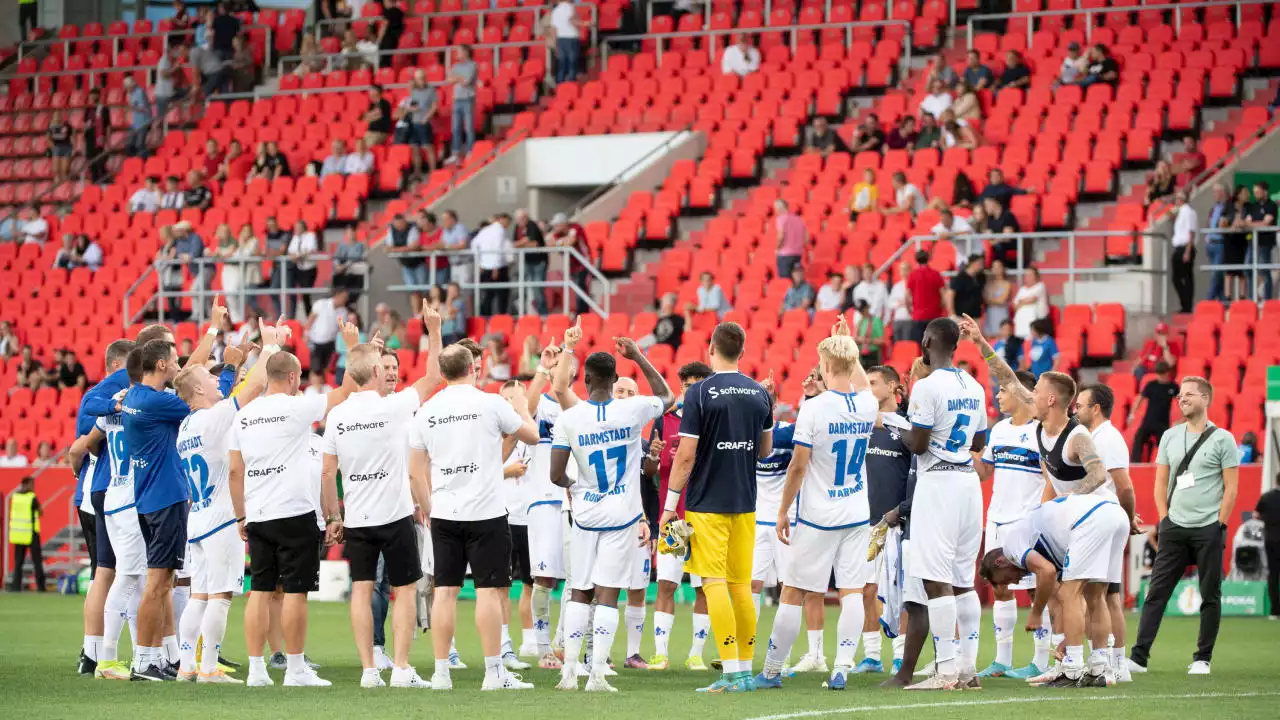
(1000, 370)
(1082, 451)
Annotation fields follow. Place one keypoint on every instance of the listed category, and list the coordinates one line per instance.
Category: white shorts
(217, 562)
(815, 554)
(546, 541)
(912, 588)
(640, 570)
(946, 527)
(1096, 549)
(185, 572)
(127, 543)
(671, 569)
(993, 541)
(604, 558)
(769, 561)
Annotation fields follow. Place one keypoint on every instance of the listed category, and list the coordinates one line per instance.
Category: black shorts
(106, 555)
(165, 532)
(89, 529)
(484, 544)
(396, 541)
(521, 568)
(285, 553)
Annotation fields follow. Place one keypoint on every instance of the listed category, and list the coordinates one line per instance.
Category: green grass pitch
(40, 638)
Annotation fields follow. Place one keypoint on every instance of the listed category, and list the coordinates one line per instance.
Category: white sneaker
(937, 682)
(455, 661)
(381, 660)
(1122, 673)
(1053, 673)
(927, 671)
(259, 679)
(371, 678)
(811, 663)
(511, 662)
(505, 681)
(568, 678)
(441, 681)
(582, 670)
(1134, 667)
(598, 683)
(304, 678)
(407, 678)
(1199, 667)
(529, 651)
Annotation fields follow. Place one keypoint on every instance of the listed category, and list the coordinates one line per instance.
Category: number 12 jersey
(203, 442)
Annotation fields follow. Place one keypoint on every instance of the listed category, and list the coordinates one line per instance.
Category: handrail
(793, 30)
(446, 50)
(536, 11)
(621, 175)
(1088, 13)
(151, 69)
(164, 47)
(1252, 266)
(1238, 148)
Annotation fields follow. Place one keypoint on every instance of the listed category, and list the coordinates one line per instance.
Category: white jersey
(1047, 529)
(541, 490)
(771, 476)
(120, 492)
(1064, 487)
(605, 441)
(202, 445)
(836, 427)
(1017, 481)
(516, 489)
(1114, 452)
(273, 435)
(461, 430)
(369, 435)
(953, 406)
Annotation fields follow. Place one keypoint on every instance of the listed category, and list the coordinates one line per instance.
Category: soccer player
(366, 437)
(633, 615)
(456, 446)
(1088, 529)
(726, 427)
(515, 467)
(604, 436)
(1011, 461)
(273, 492)
(832, 433)
(948, 416)
(217, 552)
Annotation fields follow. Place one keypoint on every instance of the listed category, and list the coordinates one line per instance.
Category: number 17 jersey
(203, 446)
(836, 427)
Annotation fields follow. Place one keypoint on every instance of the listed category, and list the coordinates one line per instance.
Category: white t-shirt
(358, 163)
(910, 196)
(35, 231)
(898, 311)
(461, 430)
(829, 298)
(935, 105)
(517, 488)
(145, 200)
(1113, 450)
(303, 244)
(873, 291)
(959, 226)
(836, 427)
(17, 461)
(605, 440)
(491, 247)
(120, 492)
(954, 407)
(562, 21)
(1027, 314)
(738, 62)
(541, 490)
(202, 445)
(324, 329)
(369, 435)
(1017, 482)
(273, 436)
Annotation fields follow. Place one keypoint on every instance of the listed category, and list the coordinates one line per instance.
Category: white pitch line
(1004, 701)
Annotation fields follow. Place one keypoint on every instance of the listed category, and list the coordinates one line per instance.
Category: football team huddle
(874, 489)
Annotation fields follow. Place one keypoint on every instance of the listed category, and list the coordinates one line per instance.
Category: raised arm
(542, 376)
(425, 384)
(858, 378)
(335, 397)
(1000, 370)
(628, 349)
(255, 383)
(1082, 450)
(201, 354)
(562, 378)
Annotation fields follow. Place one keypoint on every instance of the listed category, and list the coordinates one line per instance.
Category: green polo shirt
(1197, 505)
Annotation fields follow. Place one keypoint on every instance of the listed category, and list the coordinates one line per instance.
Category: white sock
(603, 627)
(899, 646)
(180, 595)
(969, 627)
(442, 666)
(214, 629)
(756, 600)
(815, 644)
(942, 624)
(701, 629)
(566, 597)
(635, 628)
(527, 637)
(90, 647)
(257, 665)
(131, 611)
(662, 623)
(1041, 643)
(492, 667)
(542, 618)
(1099, 660)
(849, 629)
(871, 644)
(786, 626)
(1004, 616)
(189, 634)
(1073, 661)
(506, 639)
(295, 663)
(170, 646)
(116, 612)
(576, 621)
(1118, 656)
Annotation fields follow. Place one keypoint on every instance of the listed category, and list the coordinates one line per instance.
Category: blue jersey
(100, 401)
(151, 422)
(771, 475)
(888, 465)
(728, 414)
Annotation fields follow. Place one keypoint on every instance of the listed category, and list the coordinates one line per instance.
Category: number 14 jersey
(202, 446)
(836, 427)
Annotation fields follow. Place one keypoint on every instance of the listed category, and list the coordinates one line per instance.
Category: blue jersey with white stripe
(151, 422)
(100, 401)
(1017, 482)
(771, 475)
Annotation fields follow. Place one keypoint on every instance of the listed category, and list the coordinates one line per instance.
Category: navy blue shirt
(888, 465)
(99, 401)
(151, 422)
(727, 413)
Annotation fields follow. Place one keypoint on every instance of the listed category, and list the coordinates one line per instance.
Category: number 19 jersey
(203, 445)
(836, 427)
(119, 464)
(953, 406)
(604, 439)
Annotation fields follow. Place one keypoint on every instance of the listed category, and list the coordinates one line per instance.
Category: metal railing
(713, 48)
(768, 10)
(88, 73)
(1251, 265)
(117, 40)
(539, 14)
(562, 256)
(1088, 14)
(332, 59)
(626, 173)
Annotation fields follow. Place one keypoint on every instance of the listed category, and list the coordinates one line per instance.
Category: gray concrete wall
(609, 205)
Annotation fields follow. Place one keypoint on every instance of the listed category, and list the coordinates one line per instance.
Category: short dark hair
(887, 373)
(1042, 325)
(729, 340)
(922, 257)
(133, 365)
(695, 369)
(987, 568)
(119, 350)
(1161, 367)
(600, 366)
(455, 361)
(1027, 379)
(945, 332)
(472, 346)
(153, 353)
(1102, 396)
(1063, 385)
(1266, 187)
(155, 331)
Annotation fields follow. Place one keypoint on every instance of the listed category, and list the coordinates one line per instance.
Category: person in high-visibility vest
(24, 532)
(28, 15)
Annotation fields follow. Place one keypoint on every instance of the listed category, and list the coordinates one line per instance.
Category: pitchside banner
(1238, 598)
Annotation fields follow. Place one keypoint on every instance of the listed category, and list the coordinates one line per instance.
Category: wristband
(569, 350)
(273, 347)
(540, 370)
(989, 356)
(240, 519)
(673, 500)
(211, 331)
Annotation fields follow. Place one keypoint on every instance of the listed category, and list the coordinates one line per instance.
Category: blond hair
(1201, 384)
(840, 353)
(361, 360)
(186, 381)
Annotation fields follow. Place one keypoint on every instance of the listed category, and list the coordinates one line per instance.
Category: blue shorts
(414, 134)
(106, 555)
(165, 532)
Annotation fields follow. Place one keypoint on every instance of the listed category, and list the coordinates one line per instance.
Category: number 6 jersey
(604, 439)
(953, 407)
(202, 446)
(836, 427)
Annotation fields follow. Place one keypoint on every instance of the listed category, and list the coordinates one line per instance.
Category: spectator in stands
(190, 249)
(530, 356)
(904, 136)
(33, 227)
(70, 372)
(669, 329)
(303, 247)
(906, 196)
(1262, 213)
(97, 131)
(463, 77)
(85, 252)
(140, 118)
(710, 297)
(455, 236)
(340, 347)
(1074, 66)
(1160, 184)
(147, 197)
(979, 220)
(197, 195)
(419, 107)
(11, 457)
(44, 458)
(566, 234)
(1043, 354)
(528, 236)
(1183, 241)
(277, 163)
(1002, 221)
(169, 87)
(311, 59)
(1215, 244)
(996, 293)
(964, 293)
(453, 323)
(1008, 344)
(230, 249)
(389, 326)
(872, 290)
(1101, 68)
(60, 147)
(1156, 399)
(335, 12)
(793, 238)
(942, 72)
(351, 54)
(925, 292)
(949, 225)
(1237, 243)
(849, 282)
(866, 196)
(171, 278)
(977, 75)
(8, 340)
(1031, 302)
(173, 196)
(869, 136)
(404, 237)
(957, 133)
(360, 160)
(492, 247)
(336, 160)
(1158, 348)
(820, 138)
(1190, 162)
(368, 49)
(390, 30)
(497, 361)
(567, 30)
(1248, 448)
(212, 158)
(937, 100)
(29, 370)
(741, 58)
(967, 105)
(327, 315)
(378, 117)
(213, 70)
(349, 265)
(316, 384)
(1016, 73)
(830, 295)
(800, 295)
(898, 312)
(243, 72)
(930, 135)
(868, 330)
